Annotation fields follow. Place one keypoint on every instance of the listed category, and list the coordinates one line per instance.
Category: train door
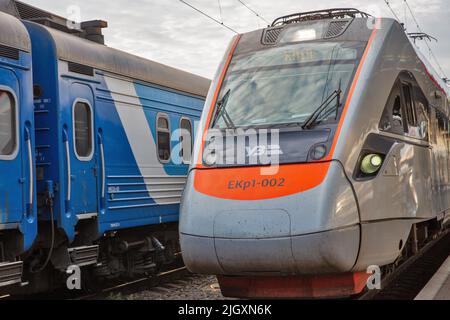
(13, 181)
(83, 168)
(417, 157)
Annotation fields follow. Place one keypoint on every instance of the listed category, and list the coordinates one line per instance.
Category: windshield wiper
(285, 125)
(313, 118)
(222, 112)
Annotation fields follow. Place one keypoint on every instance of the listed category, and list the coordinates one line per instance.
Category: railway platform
(438, 288)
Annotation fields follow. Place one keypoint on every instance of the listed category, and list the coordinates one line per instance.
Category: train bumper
(328, 286)
(313, 232)
(323, 253)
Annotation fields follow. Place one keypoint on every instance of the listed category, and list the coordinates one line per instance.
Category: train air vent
(336, 28)
(81, 69)
(270, 36)
(9, 52)
(28, 12)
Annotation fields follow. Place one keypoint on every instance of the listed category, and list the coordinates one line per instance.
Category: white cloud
(169, 32)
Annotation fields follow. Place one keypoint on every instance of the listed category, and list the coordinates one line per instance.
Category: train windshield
(285, 85)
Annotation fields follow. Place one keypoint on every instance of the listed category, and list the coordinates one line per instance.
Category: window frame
(91, 154)
(161, 115)
(410, 112)
(396, 91)
(13, 154)
(406, 80)
(192, 139)
(420, 98)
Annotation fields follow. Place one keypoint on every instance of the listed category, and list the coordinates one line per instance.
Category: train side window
(186, 140)
(409, 104)
(422, 111)
(8, 124)
(83, 130)
(163, 137)
(442, 123)
(393, 118)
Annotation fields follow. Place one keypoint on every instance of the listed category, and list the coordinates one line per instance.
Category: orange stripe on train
(249, 183)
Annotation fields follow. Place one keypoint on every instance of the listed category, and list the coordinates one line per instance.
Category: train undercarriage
(124, 254)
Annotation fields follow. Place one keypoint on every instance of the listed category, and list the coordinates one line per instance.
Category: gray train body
(347, 220)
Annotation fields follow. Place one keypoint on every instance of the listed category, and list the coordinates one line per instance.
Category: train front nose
(315, 231)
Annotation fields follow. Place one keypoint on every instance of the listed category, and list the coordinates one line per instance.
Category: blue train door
(12, 183)
(83, 188)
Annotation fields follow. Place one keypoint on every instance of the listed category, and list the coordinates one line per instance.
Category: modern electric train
(93, 173)
(359, 122)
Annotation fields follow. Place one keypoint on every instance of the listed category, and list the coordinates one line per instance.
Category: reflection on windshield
(287, 84)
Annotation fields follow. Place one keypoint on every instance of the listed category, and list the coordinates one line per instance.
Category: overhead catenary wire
(254, 11)
(420, 30)
(428, 46)
(392, 10)
(208, 16)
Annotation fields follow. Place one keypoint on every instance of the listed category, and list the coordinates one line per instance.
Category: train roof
(74, 49)
(431, 70)
(13, 33)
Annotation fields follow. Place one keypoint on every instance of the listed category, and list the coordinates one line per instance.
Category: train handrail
(69, 174)
(102, 159)
(31, 173)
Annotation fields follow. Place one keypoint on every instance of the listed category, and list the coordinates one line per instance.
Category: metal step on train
(80, 256)
(10, 273)
(84, 256)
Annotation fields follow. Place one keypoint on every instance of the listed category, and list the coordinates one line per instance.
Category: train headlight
(318, 152)
(210, 158)
(371, 163)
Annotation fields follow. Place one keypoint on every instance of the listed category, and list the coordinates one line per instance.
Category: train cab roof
(13, 33)
(323, 25)
(88, 53)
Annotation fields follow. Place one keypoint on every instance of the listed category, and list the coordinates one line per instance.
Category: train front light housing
(210, 159)
(371, 163)
(318, 152)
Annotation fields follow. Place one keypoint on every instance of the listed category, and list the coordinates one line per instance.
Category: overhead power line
(420, 30)
(392, 10)
(208, 16)
(252, 10)
(429, 48)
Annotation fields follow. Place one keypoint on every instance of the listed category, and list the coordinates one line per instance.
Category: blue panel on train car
(51, 133)
(139, 188)
(80, 148)
(17, 186)
(12, 195)
(98, 136)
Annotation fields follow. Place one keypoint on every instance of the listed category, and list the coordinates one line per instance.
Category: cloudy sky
(170, 32)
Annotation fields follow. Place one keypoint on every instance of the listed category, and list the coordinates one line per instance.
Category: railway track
(172, 273)
(411, 277)
(170, 277)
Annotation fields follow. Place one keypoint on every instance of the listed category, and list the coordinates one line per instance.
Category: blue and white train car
(18, 225)
(114, 138)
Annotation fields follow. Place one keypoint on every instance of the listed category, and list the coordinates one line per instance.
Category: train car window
(186, 140)
(422, 111)
(409, 104)
(8, 139)
(83, 130)
(163, 137)
(393, 118)
(442, 123)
